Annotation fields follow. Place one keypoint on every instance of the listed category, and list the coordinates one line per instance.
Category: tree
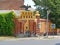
(53, 6)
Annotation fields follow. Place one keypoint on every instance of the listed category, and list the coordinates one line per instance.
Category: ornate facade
(30, 21)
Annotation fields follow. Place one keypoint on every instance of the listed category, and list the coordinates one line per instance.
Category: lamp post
(48, 11)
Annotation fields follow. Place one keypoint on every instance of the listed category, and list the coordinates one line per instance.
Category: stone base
(51, 33)
(20, 35)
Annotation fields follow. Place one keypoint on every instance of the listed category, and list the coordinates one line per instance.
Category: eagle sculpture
(26, 7)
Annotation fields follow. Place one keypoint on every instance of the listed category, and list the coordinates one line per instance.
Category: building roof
(11, 4)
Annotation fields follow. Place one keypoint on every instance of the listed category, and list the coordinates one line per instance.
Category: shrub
(7, 24)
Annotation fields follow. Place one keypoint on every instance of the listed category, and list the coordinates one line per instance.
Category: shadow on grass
(57, 44)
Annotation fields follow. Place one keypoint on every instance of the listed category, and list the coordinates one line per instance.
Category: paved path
(31, 42)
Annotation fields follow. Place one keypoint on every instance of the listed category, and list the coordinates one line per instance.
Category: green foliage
(41, 4)
(6, 24)
(42, 12)
(54, 6)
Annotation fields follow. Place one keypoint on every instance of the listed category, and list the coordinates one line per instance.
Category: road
(31, 42)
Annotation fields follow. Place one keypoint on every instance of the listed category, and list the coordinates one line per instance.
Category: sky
(29, 2)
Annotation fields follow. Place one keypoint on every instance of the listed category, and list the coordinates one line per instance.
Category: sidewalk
(30, 38)
(6, 38)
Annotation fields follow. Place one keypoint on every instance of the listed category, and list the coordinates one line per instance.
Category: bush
(6, 24)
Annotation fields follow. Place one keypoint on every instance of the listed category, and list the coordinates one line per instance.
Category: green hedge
(7, 24)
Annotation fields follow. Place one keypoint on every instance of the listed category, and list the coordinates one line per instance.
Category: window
(22, 13)
(29, 16)
(24, 16)
(21, 17)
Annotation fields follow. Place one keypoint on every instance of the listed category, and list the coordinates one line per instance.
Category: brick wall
(11, 4)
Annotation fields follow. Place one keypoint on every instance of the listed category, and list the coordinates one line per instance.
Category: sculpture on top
(26, 7)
